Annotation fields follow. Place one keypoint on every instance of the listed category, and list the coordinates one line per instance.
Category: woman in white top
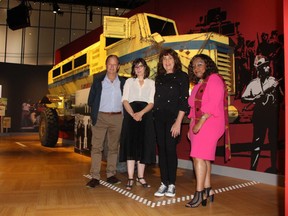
(138, 142)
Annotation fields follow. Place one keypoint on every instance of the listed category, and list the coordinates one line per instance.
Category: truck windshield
(163, 27)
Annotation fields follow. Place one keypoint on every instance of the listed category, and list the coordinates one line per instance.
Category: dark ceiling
(126, 4)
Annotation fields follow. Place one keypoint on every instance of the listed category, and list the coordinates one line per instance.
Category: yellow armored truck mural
(142, 35)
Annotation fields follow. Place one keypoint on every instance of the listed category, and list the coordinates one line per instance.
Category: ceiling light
(56, 8)
(116, 11)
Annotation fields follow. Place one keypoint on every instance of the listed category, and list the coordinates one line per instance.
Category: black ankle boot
(198, 199)
(208, 195)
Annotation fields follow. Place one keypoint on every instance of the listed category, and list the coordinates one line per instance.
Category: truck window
(81, 60)
(56, 72)
(163, 27)
(67, 67)
(110, 40)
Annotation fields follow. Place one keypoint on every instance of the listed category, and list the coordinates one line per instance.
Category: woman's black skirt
(138, 140)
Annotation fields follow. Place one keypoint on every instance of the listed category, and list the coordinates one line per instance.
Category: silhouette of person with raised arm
(263, 92)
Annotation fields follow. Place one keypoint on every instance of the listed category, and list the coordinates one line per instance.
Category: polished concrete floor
(36, 180)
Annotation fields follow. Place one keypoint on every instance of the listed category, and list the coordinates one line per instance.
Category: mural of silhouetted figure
(263, 92)
(250, 53)
(263, 45)
(89, 134)
(80, 133)
(276, 56)
(243, 76)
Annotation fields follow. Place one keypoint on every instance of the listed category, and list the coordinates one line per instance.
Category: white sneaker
(171, 191)
(161, 191)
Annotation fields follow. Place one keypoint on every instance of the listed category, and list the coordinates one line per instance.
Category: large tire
(49, 128)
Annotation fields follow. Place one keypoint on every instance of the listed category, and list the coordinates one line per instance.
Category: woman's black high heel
(129, 184)
(208, 195)
(138, 182)
(198, 199)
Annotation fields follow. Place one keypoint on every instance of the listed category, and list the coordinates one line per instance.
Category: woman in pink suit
(208, 118)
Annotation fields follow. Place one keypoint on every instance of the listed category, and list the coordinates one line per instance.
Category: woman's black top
(171, 96)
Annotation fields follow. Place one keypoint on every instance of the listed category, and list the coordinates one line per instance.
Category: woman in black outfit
(170, 106)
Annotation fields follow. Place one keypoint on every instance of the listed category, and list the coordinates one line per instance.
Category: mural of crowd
(259, 81)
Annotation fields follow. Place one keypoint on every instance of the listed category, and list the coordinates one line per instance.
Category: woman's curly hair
(211, 67)
(174, 54)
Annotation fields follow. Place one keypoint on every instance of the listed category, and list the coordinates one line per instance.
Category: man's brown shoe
(93, 183)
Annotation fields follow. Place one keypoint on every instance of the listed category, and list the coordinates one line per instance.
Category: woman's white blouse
(134, 92)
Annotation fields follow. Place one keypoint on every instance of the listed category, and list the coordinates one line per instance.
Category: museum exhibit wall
(23, 86)
(248, 24)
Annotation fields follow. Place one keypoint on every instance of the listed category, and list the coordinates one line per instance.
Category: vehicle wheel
(48, 127)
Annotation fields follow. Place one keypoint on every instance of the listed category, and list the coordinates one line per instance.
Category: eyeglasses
(139, 66)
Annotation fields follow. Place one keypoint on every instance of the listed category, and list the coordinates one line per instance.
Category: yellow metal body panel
(117, 27)
(142, 35)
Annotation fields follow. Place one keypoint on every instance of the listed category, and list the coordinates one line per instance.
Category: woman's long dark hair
(174, 54)
(211, 68)
(143, 62)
